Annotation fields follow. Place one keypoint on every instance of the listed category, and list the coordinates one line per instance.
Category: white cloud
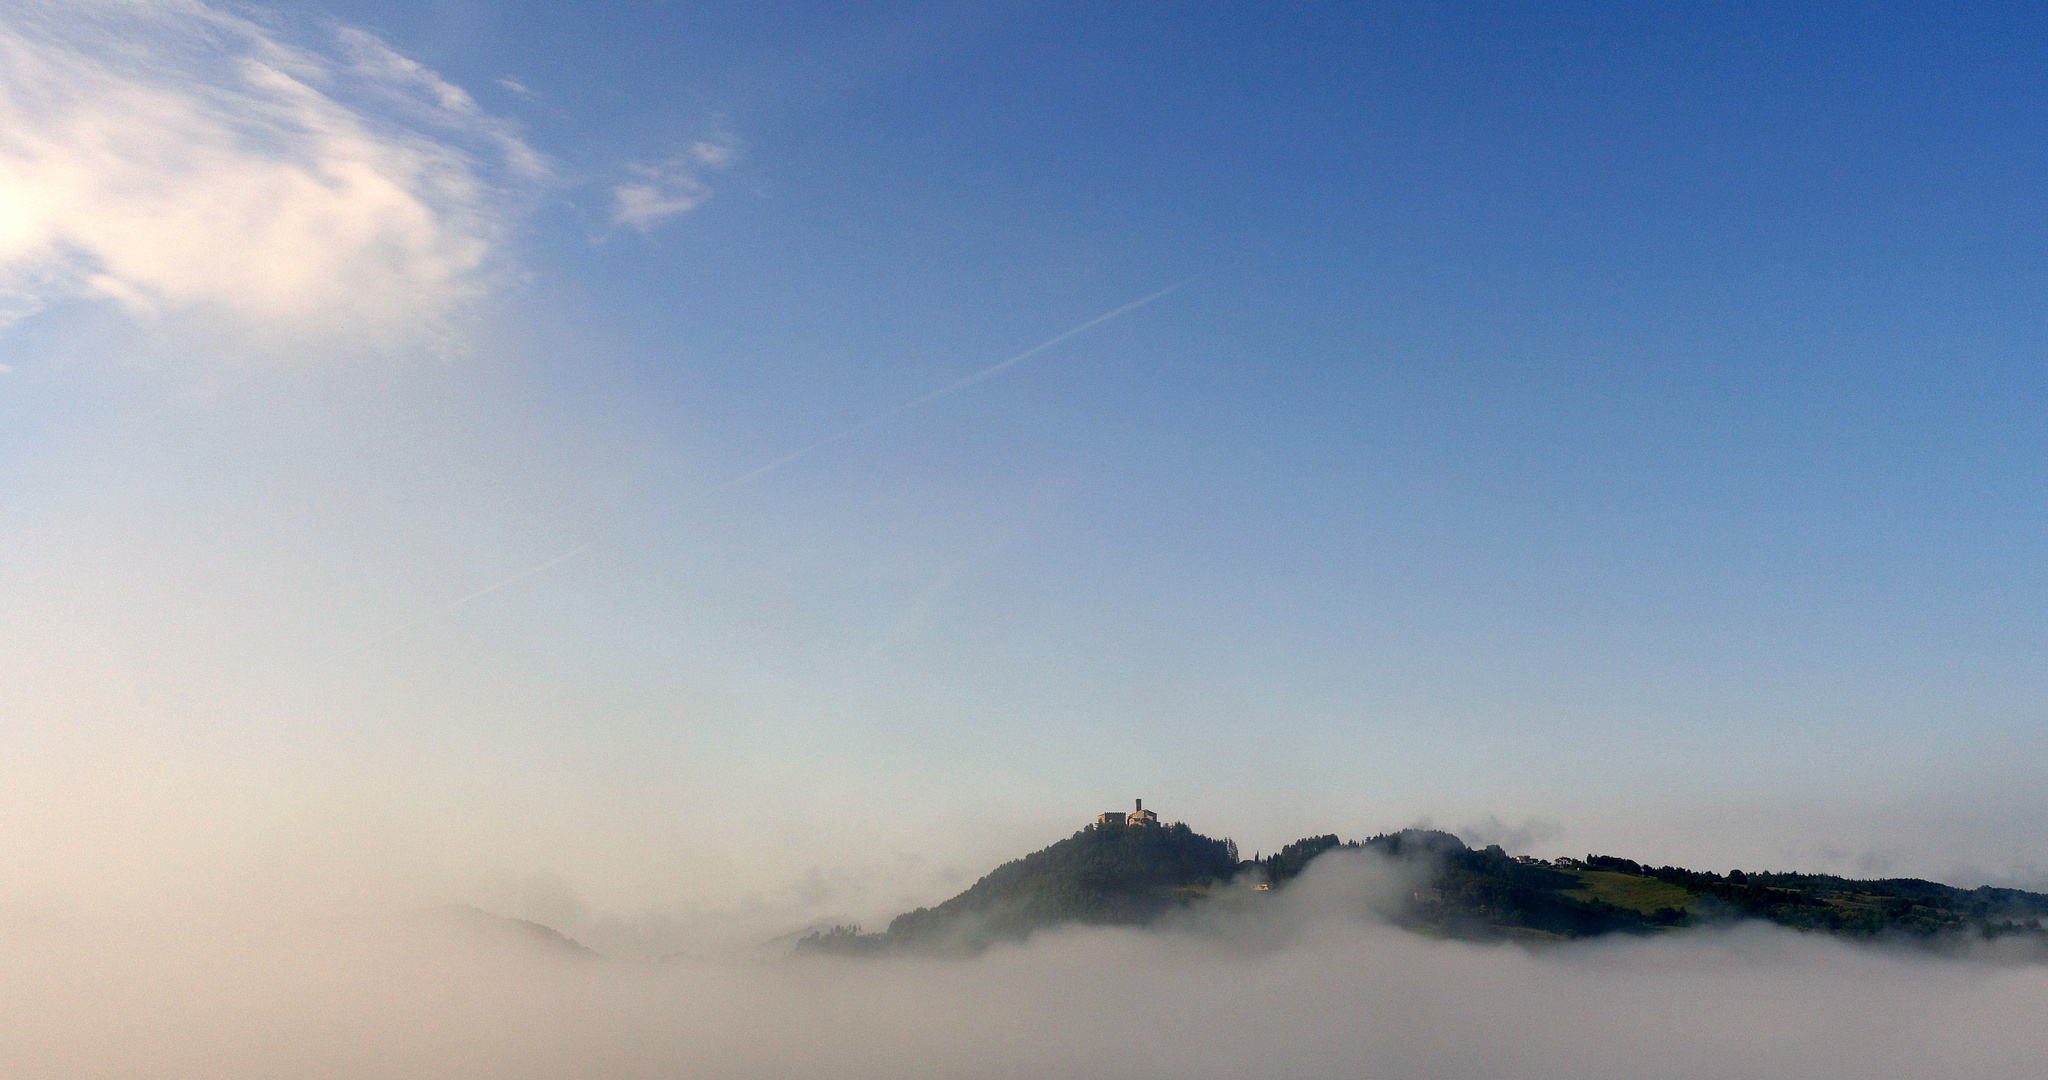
(662, 190)
(656, 196)
(716, 155)
(172, 157)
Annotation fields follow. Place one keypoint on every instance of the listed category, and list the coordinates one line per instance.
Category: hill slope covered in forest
(1104, 874)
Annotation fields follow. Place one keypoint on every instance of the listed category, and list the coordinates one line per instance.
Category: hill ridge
(1115, 873)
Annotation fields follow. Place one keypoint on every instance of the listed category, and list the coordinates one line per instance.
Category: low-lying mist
(1305, 983)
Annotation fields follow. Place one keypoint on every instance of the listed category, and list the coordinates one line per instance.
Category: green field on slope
(1642, 894)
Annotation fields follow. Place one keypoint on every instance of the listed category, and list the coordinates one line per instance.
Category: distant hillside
(1487, 893)
(1907, 906)
(1114, 873)
(524, 932)
(1109, 874)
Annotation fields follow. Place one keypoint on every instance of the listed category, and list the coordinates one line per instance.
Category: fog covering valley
(512, 515)
(1310, 986)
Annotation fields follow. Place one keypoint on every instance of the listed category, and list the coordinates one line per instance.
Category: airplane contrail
(461, 600)
(520, 576)
(760, 471)
(986, 373)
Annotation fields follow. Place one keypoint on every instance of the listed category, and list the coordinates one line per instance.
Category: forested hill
(1119, 874)
(1104, 874)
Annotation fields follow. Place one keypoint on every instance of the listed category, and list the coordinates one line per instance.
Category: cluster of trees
(1470, 893)
(1291, 860)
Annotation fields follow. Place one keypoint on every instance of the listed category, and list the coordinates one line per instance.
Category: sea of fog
(1305, 984)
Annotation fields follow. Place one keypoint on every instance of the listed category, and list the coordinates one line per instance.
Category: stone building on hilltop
(1138, 818)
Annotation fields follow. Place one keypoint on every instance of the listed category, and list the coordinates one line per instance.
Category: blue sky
(1617, 421)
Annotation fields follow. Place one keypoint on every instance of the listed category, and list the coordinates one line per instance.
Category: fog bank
(1306, 988)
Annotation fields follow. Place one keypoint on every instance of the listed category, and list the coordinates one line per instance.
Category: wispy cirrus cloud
(661, 190)
(174, 157)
